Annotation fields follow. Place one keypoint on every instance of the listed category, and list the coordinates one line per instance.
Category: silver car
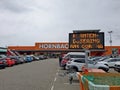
(117, 67)
(77, 65)
(110, 62)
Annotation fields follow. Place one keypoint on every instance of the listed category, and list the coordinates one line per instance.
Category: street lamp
(110, 32)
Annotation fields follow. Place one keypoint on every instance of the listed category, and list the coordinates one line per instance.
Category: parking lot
(37, 75)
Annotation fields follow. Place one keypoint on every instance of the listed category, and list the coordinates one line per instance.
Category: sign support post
(86, 57)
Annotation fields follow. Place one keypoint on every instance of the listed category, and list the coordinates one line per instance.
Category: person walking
(60, 59)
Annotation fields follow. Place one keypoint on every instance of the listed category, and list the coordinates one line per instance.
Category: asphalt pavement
(37, 75)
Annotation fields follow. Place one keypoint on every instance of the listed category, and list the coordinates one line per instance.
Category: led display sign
(86, 40)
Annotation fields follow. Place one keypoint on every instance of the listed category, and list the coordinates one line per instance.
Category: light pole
(110, 32)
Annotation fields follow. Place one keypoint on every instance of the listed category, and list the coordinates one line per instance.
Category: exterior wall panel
(60, 46)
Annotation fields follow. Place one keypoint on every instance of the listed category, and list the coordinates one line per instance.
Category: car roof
(78, 59)
(76, 53)
(117, 62)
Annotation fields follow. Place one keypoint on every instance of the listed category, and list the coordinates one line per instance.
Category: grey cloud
(52, 20)
(17, 6)
(11, 6)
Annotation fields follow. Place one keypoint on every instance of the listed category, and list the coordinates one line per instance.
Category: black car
(3, 63)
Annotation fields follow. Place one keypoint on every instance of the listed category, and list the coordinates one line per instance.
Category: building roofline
(3, 48)
(79, 31)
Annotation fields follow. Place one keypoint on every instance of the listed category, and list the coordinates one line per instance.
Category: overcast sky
(24, 22)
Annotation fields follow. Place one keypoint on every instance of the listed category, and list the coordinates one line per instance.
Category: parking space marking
(71, 84)
(52, 88)
(55, 79)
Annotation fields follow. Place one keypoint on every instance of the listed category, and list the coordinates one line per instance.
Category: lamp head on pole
(110, 31)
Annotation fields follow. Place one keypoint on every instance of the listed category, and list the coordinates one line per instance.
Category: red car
(63, 62)
(70, 56)
(10, 62)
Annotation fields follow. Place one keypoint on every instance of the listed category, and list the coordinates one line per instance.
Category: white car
(117, 67)
(71, 55)
(110, 62)
(77, 65)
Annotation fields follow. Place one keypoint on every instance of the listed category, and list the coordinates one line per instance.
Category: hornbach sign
(53, 46)
(86, 40)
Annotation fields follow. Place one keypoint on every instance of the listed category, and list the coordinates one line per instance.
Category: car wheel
(104, 69)
(74, 69)
(64, 68)
(106, 64)
(118, 71)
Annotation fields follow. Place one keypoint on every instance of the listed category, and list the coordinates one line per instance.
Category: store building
(56, 48)
(3, 50)
(46, 48)
(79, 41)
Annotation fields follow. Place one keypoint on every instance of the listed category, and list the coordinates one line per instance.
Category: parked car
(17, 59)
(2, 63)
(9, 61)
(99, 58)
(35, 58)
(71, 55)
(117, 67)
(60, 59)
(95, 58)
(77, 65)
(42, 57)
(28, 58)
(104, 58)
(110, 62)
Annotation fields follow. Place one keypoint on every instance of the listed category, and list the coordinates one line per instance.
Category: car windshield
(110, 60)
(95, 58)
(77, 56)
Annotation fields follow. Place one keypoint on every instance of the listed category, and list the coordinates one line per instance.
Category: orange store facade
(62, 47)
